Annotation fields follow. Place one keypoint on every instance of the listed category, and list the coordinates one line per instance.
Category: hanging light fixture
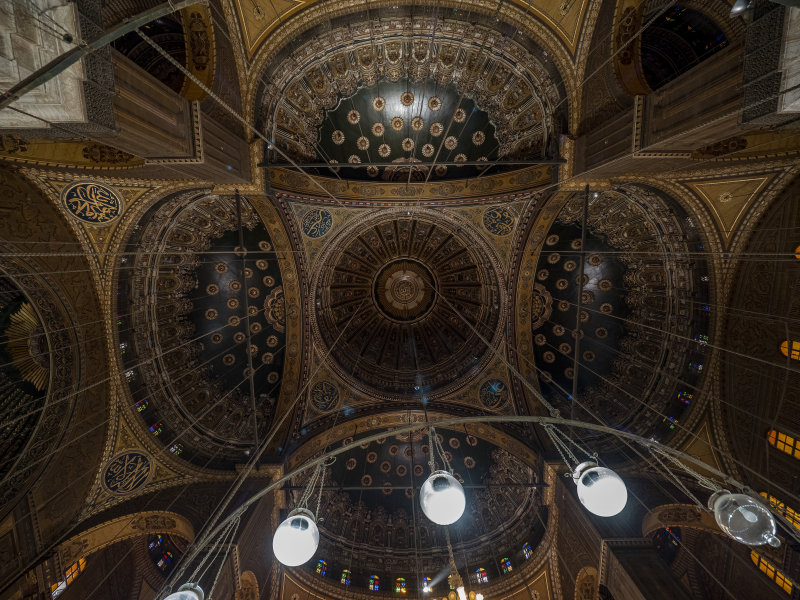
(457, 590)
(297, 538)
(188, 591)
(600, 490)
(743, 518)
(441, 496)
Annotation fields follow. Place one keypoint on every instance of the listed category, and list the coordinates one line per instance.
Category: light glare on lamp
(744, 518)
(442, 498)
(188, 591)
(296, 539)
(600, 490)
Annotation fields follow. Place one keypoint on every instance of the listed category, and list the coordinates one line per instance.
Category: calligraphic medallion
(92, 202)
(126, 472)
(498, 220)
(494, 394)
(317, 222)
(324, 395)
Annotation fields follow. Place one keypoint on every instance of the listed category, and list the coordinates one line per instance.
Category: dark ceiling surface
(403, 122)
(196, 396)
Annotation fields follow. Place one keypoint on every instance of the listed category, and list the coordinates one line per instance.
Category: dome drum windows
(771, 571)
(784, 442)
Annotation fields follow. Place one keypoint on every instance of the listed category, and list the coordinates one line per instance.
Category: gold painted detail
(75, 154)
(92, 202)
(200, 50)
(27, 346)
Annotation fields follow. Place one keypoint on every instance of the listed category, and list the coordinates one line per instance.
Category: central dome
(394, 290)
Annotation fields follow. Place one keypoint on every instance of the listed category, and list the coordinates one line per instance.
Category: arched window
(427, 584)
(142, 405)
(322, 567)
(76, 569)
(795, 349)
(772, 572)
(374, 583)
(784, 443)
(156, 428)
(400, 585)
(790, 514)
(481, 576)
(526, 550)
(346, 577)
(165, 561)
(505, 565)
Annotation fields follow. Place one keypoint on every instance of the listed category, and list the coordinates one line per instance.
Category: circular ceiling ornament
(494, 394)
(483, 159)
(436, 129)
(407, 99)
(126, 472)
(441, 170)
(435, 103)
(460, 158)
(405, 290)
(324, 396)
(417, 123)
(354, 159)
(316, 222)
(427, 150)
(378, 103)
(378, 129)
(362, 143)
(372, 171)
(91, 202)
(460, 115)
(450, 142)
(353, 117)
(478, 138)
(384, 150)
(337, 137)
(408, 144)
(414, 279)
(333, 161)
(397, 123)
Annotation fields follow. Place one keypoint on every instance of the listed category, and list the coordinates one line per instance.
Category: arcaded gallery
(399, 300)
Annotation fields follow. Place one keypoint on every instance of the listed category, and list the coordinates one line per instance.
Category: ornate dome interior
(268, 266)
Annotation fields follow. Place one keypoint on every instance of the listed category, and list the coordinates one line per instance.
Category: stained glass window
(74, 570)
(165, 561)
(505, 565)
(400, 585)
(795, 349)
(427, 584)
(784, 443)
(481, 576)
(772, 572)
(790, 514)
(141, 405)
(156, 428)
(345, 577)
(156, 541)
(374, 583)
(526, 550)
(322, 567)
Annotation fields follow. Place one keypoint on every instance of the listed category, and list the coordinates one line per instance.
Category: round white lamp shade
(296, 539)
(188, 591)
(442, 498)
(600, 490)
(744, 518)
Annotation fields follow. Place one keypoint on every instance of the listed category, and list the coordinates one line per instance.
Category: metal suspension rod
(63, 62)
(466, 163)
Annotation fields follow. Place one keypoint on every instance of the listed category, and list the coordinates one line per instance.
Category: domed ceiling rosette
(406, 282)
(203, 309)
(644, 318)
(489, 94)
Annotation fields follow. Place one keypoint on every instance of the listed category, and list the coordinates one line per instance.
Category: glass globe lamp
(744, 518)
(188, 591)
(600, 490)
(442, 498)
(296, 539)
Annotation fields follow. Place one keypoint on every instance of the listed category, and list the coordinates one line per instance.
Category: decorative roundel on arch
(126, 472)
(92, 202)
(324, 396)
(498, 220)
(494, 394)
(317, 222)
